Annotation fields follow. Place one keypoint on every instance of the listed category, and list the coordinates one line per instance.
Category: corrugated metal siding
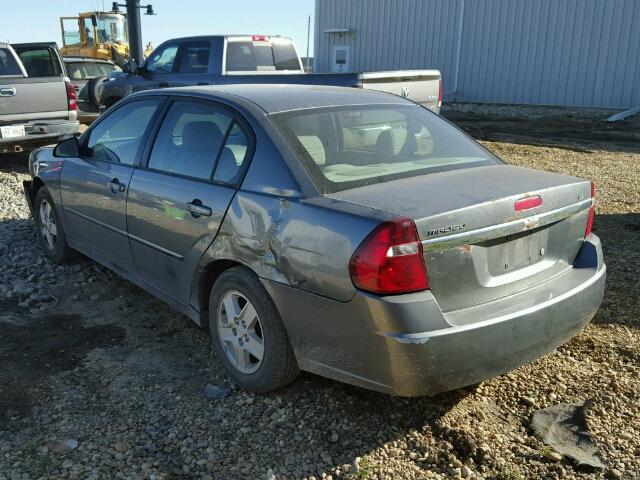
(554, 52)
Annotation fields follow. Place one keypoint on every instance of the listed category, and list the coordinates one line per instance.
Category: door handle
(163, 84)
(7, 92)
(115, 186)
(197, 209)
(202, 83)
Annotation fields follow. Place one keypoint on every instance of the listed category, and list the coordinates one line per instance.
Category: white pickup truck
(37, 102)
(225, 59)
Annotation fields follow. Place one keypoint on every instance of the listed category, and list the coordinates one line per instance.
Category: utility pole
(133, 25)
(308, 37)
(135, 34)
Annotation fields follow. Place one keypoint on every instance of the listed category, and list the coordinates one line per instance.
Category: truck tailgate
(23, 99)
(420, 86)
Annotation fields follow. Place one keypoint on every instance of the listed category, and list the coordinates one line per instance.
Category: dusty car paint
(478, 319)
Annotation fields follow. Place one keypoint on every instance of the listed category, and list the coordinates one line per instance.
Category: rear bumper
(404, 345)
(40, 133)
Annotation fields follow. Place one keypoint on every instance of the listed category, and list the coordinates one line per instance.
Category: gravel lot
(100, 380)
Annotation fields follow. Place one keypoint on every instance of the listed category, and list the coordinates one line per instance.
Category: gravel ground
(100, 381)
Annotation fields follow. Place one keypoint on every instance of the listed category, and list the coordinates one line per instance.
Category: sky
(38, 20)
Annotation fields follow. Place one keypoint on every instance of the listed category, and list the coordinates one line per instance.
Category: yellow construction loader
(96, 35)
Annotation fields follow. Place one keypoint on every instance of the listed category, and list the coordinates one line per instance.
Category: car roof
(275, 98)
(87, 59)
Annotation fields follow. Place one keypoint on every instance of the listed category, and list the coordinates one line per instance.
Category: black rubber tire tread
(62, 252)
(279, 366)
(94, 91)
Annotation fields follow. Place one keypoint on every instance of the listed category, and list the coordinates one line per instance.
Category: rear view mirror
(67, 148)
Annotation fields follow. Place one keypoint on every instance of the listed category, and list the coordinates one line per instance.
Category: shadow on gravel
(14, 162)
(39, 348)
(568, 132)
(619, 235)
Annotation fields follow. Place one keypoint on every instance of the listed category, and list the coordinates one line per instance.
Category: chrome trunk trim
(503, 229)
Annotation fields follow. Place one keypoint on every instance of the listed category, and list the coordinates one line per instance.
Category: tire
(52, 240)
(278, 365)
(94, 91)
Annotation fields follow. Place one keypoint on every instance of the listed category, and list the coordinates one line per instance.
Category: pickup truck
(225, 59)
(37, 101)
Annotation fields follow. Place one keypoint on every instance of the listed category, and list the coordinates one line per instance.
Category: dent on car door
(94, 186)
(176, 204)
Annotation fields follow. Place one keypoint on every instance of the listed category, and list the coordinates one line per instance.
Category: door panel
(95, 208)
(94, 187)
(175, 207)
(167, 239)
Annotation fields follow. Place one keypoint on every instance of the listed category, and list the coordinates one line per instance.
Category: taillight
(72, 98)
(592, 211)
(440, 93)
(390, 260)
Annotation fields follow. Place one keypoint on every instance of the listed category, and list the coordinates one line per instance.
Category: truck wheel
(111, 101)
(94, 90)
(247, 332)
(51, 234)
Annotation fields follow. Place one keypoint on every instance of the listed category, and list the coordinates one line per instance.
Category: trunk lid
(477, 247)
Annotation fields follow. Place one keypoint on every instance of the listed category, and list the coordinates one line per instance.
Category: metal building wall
(553, 52)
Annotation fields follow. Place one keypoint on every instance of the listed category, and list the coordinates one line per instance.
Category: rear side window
(8, 64)
(117, 138)
(39, 62)
(261, 55)
(349, 147)
(194, 57)
(199, 141)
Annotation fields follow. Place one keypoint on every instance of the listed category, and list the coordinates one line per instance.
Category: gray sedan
(345, 232)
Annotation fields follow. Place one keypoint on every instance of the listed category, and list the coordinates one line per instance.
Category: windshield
(261, 55)
(348, 147)
(111, 28)
(88, 70)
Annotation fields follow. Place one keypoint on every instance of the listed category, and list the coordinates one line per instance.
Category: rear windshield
(88, 70)
(263, 56)
(348, 147)
(8, 64)
(39, 61)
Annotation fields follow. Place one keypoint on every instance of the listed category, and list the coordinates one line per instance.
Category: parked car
(228, 59)
(349, 233)
(37, 102)
(87, 76)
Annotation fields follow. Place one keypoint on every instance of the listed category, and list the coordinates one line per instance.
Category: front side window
(112, 29)
(199, 141)
(117, 138)
(348, 147)
(194, 57)
(8, 64)
(162, 60)
(39, 61)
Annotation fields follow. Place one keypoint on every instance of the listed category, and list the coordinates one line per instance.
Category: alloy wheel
(240, 332)
(48, 226)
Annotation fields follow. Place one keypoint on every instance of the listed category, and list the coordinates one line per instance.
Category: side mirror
(94, 20)
(130, 66)
(67, 148)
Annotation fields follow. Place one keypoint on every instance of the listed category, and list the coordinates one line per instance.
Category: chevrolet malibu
(349, 233)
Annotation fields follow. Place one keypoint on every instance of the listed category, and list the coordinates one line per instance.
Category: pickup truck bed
(248, 59)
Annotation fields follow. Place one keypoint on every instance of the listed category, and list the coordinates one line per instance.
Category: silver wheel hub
(240, 332)
(48, 226)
